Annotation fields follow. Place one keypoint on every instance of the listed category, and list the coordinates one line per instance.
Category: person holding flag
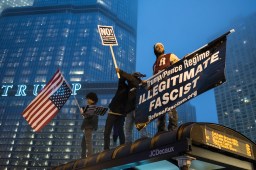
(90, 124)
(163, 61)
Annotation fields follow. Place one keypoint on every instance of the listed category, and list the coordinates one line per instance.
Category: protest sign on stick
(108, 38)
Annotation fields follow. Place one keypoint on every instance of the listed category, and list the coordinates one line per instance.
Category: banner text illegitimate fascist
(172, 95)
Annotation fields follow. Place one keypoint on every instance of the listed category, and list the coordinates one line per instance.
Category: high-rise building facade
(187, 113)
(14, 3)
(36, 41)
(236, 99)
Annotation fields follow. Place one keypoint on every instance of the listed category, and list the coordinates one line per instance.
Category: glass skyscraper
(236, 99)
(187, 113)
(14, 3)
(36, 41)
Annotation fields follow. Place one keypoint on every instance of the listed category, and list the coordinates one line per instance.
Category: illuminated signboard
(25, 90)
(227, 142)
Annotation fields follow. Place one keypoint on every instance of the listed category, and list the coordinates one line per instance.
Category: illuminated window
(78, 72)
(246, 100)
(7, 80)
(58, 63)
(65, 32)
(67, 149)
(104, 101)
(73, 110)
(74, 79)
(40, 79)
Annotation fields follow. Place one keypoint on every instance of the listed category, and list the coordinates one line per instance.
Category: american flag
(48, 102)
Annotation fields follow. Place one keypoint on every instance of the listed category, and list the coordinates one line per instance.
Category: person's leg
(88, 140)
(108, 127)
(161, 123)
(83, 146)
(143, 131)
(129, 127)
(115, 135)
(120, 124)
(173, 120)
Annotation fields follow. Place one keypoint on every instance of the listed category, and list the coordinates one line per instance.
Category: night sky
(184, 26)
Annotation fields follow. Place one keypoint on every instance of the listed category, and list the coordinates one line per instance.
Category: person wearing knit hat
(158, 48)
(90, 124)
(162, 62)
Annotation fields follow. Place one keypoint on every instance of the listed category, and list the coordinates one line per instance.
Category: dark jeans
(87, 143)
(173, 121)
(129, 124)
(115, 133)
(110, 122)
(83, 146)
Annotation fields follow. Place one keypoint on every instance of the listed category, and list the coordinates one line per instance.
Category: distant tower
(236, 99)
(187, 113)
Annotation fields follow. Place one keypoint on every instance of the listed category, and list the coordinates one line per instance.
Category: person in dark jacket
(133, 80)
(90, 124)
(122, 103)
(115, 135)
(116, 114)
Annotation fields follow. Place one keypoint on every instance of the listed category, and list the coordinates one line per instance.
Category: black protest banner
(193, 75)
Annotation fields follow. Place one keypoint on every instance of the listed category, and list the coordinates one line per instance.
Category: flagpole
(77, 103)
(230, 31)
(73, 95)
(70, 88)
(114, 59)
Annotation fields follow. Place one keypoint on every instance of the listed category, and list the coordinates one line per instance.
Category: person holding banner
(90, 124)
(122, 104)
(129, 124)
(133, 80)
(163, 61)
